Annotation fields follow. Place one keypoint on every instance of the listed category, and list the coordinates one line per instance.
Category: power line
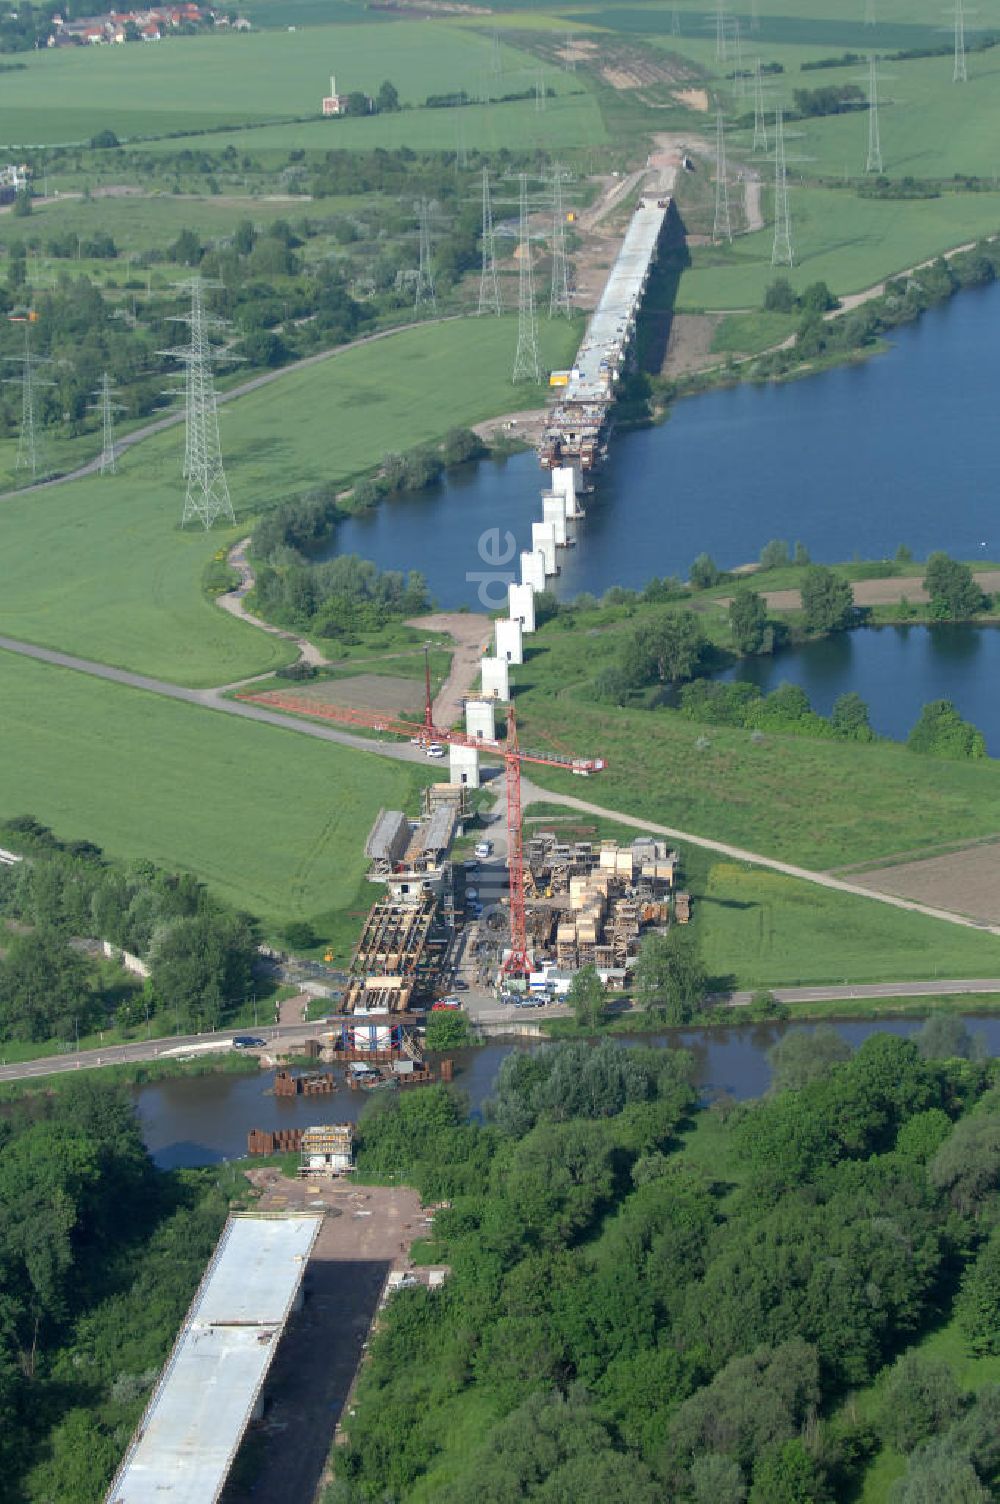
(721, 48)
(108, 407)
(960, 74)
(425, 274)
(873, 162)
(31, 449)
(759, 122)
(526, 362)
(722, 228)
(489, 284)
(782, 253)
(559, 298)
(207, 496)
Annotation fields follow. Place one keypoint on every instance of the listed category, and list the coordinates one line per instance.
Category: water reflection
(201, 1120)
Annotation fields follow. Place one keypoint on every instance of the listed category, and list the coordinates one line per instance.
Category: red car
(443, 1004)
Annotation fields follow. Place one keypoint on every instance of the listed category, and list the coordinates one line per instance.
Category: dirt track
(471, 636)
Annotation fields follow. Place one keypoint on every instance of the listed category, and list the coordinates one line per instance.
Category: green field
(571, 120)
(274, 821)
(848, 242)
(185, 84)
(141, 222)
(100, 567)
(766, 930)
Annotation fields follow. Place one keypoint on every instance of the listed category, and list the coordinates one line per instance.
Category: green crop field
(184, 84)
(848, 242)
(570, 120)
(141, 222)
(99, 566)
(765, 930)
(273, 820)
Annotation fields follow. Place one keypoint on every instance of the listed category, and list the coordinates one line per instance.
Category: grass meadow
(99, 567)
(848, 242)
(766, 930)
(274, 821)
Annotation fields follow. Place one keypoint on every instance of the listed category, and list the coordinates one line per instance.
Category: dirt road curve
(232, 602)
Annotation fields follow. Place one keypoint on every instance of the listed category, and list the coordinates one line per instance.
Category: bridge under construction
(577, 429)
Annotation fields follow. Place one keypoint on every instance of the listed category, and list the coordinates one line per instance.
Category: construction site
(577, 429)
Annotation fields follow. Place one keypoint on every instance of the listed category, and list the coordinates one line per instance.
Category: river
(853, 461)
(201, 1120)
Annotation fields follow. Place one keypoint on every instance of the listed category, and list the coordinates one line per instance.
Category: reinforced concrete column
(508, 638)
(496, 678)
(521, 605)
(533, 569)
(463, 763)
(554, 511)
(543, 540)
(480, 719)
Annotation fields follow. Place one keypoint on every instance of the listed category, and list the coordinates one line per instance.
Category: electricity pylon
(526, 363)
(425, 274)
(759, 123)
(738, 78)
(489, 283)
(960, 74)
(782, 253)
(207, 497)
(754, 16)
(108, 407)
(873, 162)
(721, 48)
(722, 228)
(675, 22)
(31, 454)
(559, 299)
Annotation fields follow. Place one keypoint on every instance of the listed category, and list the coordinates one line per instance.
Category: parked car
(445, 1004)
(484, 848)
(435, 750)
(248, 1042)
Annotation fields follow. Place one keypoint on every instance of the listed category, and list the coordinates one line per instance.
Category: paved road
(170, 420)
(212, 699)
(167, 1048)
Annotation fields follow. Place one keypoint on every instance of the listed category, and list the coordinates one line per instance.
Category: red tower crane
(517, 962)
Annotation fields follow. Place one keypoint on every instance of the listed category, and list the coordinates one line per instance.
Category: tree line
(628, 1323)
(200, 953)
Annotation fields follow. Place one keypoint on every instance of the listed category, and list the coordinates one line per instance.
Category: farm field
(848, 242)
(766, 930)
(572, 119)
(140, 221)
(187, 83)
(275, 822)
(100, 567)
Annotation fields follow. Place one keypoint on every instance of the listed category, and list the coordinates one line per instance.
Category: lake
(854, 461)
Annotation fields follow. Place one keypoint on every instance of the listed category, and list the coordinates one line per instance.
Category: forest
(651, 1301)
(99, 1258)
